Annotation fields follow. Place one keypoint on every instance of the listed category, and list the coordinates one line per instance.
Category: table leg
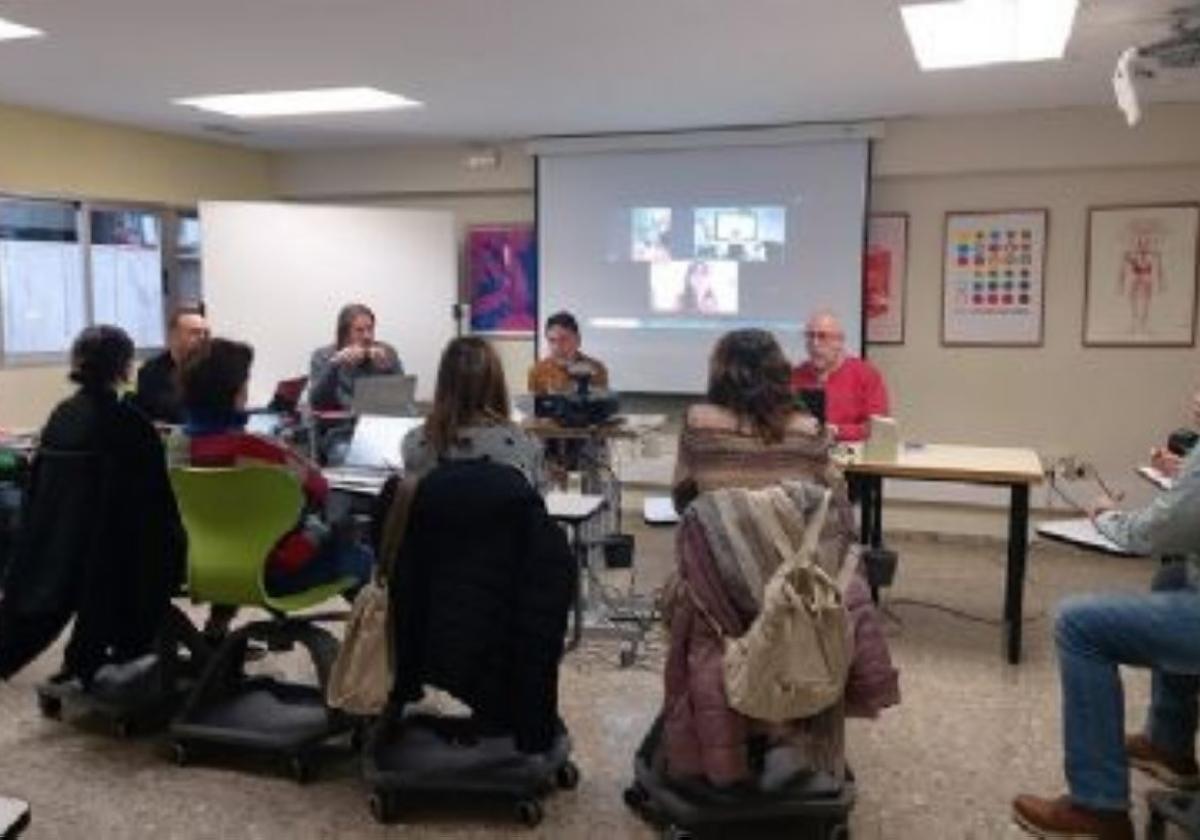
(577, 551)
(1014, 584)
(877, 511)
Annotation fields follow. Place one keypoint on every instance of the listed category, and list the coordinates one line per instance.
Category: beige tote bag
(362, 674)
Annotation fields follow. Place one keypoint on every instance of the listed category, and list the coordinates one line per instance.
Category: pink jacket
(702, 735)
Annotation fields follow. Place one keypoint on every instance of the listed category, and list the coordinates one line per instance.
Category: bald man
(854, 389)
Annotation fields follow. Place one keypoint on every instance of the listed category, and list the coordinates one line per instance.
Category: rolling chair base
(431, 757)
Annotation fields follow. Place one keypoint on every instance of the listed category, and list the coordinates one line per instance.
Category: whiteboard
(127, 291)
(41, 289)
(276, 275)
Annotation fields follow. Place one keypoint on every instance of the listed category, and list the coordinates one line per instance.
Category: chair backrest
(234, 516)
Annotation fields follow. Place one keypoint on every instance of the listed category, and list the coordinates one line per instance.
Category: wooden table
(1015, 468)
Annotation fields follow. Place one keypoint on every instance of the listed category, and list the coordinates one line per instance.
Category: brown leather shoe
(1178, 771)
(1062, 819)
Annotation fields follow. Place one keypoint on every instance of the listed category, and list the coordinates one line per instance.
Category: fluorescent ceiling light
(10, 31)
(970, 33)
(289, 103)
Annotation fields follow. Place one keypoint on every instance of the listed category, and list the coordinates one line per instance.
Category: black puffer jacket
(101, 540)
(481, 592)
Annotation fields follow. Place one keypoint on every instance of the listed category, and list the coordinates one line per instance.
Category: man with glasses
(854, 389)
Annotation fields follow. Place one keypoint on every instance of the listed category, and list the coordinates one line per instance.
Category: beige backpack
(793, 660)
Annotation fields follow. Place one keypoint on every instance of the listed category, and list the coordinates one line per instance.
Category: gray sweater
(1170, 524)
(502, 444)
(332, 386)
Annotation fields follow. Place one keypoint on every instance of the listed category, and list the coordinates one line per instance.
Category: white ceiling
(497, 69)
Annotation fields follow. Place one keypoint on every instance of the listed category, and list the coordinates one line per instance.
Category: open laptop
(374, 453)
(393, 395)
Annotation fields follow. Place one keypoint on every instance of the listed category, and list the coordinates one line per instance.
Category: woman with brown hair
(750, 432)
(470, 417)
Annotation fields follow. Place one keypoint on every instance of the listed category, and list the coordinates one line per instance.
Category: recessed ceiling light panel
(291, 103)
(972, 33)
(10, 31)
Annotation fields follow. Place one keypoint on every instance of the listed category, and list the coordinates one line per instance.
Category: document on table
(1081, 532)
(1158, 479)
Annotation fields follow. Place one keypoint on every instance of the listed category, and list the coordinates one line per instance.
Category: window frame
(168, 216)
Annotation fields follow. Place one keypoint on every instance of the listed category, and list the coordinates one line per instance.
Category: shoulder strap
(395, 526)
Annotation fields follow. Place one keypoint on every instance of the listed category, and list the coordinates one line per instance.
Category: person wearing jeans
(1095, 634)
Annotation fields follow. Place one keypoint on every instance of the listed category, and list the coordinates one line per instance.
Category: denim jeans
(1095, 634)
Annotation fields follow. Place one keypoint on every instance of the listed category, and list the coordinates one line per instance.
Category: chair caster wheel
(567, 776)
(383, 807)
(635, 797)
(300, 770)
(529, 812)
(50, 707)
(180, 754)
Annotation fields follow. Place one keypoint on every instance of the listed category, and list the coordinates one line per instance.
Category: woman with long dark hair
(750, 432)
(470, 417)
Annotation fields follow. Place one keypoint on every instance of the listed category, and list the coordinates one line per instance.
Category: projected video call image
(694, 287)
(742, 234)
(651, 234)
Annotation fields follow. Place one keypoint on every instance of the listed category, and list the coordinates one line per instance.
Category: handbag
(362, 675)
(793, 660)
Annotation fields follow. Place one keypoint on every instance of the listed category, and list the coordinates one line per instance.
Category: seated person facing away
(158, 380)
(214, 383)
(854, 389)
(334, 369)
(750, 433)
(1095, 634)
(470, 417)
(554, 374)
(101, 539)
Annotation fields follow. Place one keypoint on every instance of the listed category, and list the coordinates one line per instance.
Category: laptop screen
(377, 440)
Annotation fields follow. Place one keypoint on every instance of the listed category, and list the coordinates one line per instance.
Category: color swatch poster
(993, 278)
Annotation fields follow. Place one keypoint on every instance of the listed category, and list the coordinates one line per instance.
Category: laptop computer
(287, 395)
(374, 453)
(393, 395)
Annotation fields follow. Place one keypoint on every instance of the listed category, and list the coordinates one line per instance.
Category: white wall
(1105, 404)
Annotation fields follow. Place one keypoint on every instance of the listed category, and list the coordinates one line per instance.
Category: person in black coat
(157, 381)
(480, 593)
(101, 540)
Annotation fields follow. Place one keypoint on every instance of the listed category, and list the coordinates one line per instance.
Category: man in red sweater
(854, 389)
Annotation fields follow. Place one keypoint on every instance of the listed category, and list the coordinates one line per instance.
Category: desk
(573, 510)
(1017, 469)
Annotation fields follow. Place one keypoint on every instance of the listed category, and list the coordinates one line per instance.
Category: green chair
(234, 516)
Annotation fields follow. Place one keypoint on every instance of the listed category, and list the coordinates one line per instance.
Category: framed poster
(1141, 276)
(993, 277)
(502, 279)
(885, 269)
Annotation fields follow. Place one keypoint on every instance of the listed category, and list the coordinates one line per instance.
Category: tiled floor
(971, 732)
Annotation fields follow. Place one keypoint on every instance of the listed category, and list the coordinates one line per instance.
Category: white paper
(1082, 533)
(659, 510)
(1158, 479)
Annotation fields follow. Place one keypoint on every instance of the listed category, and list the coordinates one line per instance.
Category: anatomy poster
(1141, 276)
(502, 279)
(993, 277)
(884, 268)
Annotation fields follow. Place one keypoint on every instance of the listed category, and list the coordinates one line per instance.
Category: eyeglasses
(821, 335)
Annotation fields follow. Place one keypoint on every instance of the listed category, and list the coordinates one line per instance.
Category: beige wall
(47, 154)
(1106, 405)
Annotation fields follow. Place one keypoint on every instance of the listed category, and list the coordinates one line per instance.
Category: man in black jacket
(157, 391)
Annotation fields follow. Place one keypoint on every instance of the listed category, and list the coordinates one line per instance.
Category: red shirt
(297, 547)
(853, 392)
